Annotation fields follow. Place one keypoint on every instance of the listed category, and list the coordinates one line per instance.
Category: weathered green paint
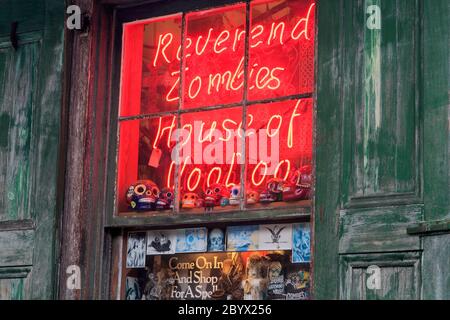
(436, 110)
(11, 289)
(379, 230)
(16, 113)
(436, 267)
(330, 43)
(381, 127)
(382, 149)
(30, 104)
(399, 274)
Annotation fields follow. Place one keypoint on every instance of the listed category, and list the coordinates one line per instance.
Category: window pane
(210, 159)
(281, 61)
(145, 165)
(214, 53)
(279, 153)
(151, 66)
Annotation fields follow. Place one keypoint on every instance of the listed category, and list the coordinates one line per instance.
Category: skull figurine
(235, 195)
(214, 194)
(142, 195)
(216, 240)
(189, 200)
(165, 199)
(252, 197)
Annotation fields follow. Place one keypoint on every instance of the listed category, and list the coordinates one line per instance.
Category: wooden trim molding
(430, 227)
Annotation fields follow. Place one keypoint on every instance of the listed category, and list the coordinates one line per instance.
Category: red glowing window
(281, 61)
(151, 66)
(215, 114)
(279, 152)
(214, 57)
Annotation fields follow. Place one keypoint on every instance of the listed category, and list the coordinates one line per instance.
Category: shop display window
(194, 83)
(215, 120)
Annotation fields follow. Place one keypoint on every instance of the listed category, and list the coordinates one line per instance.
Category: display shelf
(163, 219)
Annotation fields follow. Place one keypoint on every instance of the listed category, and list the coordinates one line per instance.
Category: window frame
(178, 218)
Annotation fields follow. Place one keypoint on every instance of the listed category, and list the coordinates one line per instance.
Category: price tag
(155, 157)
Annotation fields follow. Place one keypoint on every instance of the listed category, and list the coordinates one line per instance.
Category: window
(215, 117)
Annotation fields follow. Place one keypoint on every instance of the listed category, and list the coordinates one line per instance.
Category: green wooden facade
(382, 151)
(30, 106)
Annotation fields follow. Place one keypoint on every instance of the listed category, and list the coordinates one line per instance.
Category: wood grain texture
(436, 267)
(330, 44)
(16, 248)
(29, 118)
(378, 230)
(436, 109)
(399, 275)
(77, 92)
(381, 124)
(18, 72)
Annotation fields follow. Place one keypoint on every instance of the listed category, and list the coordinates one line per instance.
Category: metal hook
(13, 35)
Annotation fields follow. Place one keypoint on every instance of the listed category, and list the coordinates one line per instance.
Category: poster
(136, 250)
(161, 242)
(132, 289)
(192, 240)
(297, 283)
(275, 237)
(301, 251)
(253, 275)
(242, 238)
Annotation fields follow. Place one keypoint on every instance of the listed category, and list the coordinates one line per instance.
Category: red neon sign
(212, 53)
(281, 52)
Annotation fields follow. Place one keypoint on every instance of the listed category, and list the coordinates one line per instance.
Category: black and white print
(161, 242)
(275, 237)
(136, 250)
(132, 290)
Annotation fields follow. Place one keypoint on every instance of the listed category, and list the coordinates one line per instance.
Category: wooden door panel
(14, 283)
(18, 77)
(380, 118)
(30, 104)
(379, 230)
(368, 150)
(399, 275)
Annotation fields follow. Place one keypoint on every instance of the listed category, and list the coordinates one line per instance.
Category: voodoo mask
(142, 195)
(235, 195)
(165, 199)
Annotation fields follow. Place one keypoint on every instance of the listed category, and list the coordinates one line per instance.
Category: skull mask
(165, 199)
(235, 198)
(252, 197)
(216, 240)
(214, 194)
(142, 195)
(189, 200)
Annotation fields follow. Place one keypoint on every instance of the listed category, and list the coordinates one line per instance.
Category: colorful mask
(252, 197)
(235, 195)
(216, 240)
(267, 197)
(165, 199)
(142, 195)
(189, 200)
(214, 194)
